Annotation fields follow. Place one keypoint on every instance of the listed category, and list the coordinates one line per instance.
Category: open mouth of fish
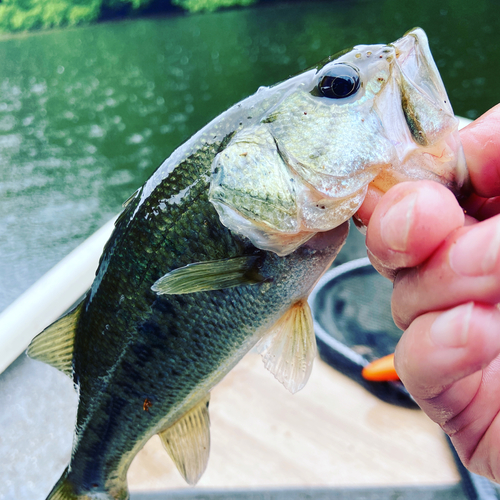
(427, 114)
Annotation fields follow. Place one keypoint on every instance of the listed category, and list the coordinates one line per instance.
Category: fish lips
(417, 66)
(421, 124)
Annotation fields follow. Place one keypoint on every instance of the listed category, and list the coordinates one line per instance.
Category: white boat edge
(55, 292)
(49, 297)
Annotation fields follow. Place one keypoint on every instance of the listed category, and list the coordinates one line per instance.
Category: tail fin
(64, 490)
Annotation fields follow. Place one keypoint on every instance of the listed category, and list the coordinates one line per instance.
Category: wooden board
(332, 433)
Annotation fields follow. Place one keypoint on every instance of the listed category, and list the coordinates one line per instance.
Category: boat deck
(331, 434)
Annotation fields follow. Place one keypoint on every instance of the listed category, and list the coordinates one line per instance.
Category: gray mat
(403, 493)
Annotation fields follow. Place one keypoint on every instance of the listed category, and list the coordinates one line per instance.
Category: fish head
(374, 114)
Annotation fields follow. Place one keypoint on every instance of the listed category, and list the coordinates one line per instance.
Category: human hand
(446, 271)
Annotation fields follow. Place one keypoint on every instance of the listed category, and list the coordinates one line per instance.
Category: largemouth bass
(221, 247)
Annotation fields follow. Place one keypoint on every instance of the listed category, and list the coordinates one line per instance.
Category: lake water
(87, 114)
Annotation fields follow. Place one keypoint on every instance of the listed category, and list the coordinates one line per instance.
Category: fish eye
(340, 81)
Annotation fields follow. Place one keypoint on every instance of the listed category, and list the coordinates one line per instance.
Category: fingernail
(396, 222)
(476, 252)
(451, 329)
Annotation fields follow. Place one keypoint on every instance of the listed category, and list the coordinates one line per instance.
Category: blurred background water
(87, 114)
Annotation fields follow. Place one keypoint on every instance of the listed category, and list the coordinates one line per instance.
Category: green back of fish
(166, 231)
(130, 343)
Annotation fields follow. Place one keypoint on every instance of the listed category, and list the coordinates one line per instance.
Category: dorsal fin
(54, 345)
(209, 275)
(188, 442)
(127, 202)
(289, 348)
(127, 207)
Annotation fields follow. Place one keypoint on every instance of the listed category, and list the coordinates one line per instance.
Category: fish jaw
(418, 119)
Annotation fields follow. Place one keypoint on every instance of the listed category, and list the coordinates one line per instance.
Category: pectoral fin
(54, 345)
(210, 275)
(289, 348)
(188, 442)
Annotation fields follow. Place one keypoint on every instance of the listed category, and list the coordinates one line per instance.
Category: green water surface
(87, 114)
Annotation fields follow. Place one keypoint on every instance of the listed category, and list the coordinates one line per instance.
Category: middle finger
(466, 267)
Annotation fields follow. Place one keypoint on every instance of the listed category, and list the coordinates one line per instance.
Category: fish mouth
(417, 67)
(424, 101)
(425, 131)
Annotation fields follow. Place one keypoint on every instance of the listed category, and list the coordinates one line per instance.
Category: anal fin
(209, 275)
(289, 348)
(54, 345)
(188, 442)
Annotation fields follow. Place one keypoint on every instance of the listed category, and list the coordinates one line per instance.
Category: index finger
(481, 143)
